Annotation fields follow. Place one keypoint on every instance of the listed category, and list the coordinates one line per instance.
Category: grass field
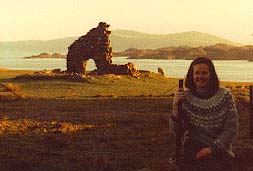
(100, 123)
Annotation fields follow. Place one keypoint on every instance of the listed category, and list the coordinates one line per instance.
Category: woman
(210, 119)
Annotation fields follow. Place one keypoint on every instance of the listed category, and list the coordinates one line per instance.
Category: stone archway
(95, 45)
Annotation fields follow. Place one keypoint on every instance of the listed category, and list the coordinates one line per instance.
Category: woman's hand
(203, 153)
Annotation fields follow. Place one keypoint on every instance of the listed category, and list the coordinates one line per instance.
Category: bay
(227, 70)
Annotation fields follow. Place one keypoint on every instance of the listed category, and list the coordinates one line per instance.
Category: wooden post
(179, 132)
(251, 110)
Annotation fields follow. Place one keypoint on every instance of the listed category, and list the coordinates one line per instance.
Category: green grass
(94, 86)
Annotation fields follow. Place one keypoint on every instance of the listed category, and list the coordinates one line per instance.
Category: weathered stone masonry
(96, 45)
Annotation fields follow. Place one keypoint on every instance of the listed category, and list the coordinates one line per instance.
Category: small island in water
(215, 52)
(47, 55)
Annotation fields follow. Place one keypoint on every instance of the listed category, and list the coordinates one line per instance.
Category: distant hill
(120, 41)
(125, 39)
(32, 47)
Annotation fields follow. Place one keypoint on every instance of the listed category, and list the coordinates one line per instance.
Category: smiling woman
(201, 77)
(209, 117)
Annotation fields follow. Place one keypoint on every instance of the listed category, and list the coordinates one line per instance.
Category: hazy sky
(51, 19)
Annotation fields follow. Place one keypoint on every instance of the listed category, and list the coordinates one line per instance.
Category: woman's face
(201, 76)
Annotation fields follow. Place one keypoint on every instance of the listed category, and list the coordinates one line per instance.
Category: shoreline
(232, 84)
(4, 69)
(226, 83)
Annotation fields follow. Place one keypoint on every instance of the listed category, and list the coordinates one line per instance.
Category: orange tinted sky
(51, 19)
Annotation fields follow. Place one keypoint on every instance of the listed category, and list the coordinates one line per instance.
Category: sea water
(227, 70)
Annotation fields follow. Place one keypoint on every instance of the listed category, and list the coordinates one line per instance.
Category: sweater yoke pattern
(208, 113)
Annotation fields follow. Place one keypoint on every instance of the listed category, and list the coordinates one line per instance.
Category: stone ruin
(96, 45)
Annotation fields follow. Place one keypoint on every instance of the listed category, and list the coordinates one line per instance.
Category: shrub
(13, 88)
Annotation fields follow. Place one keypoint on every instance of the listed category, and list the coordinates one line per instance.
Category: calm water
(228, 70)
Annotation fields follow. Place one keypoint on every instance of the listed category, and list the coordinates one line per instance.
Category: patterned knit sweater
(216, 114)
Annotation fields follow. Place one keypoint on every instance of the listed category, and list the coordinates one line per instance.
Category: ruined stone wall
(95, 45)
